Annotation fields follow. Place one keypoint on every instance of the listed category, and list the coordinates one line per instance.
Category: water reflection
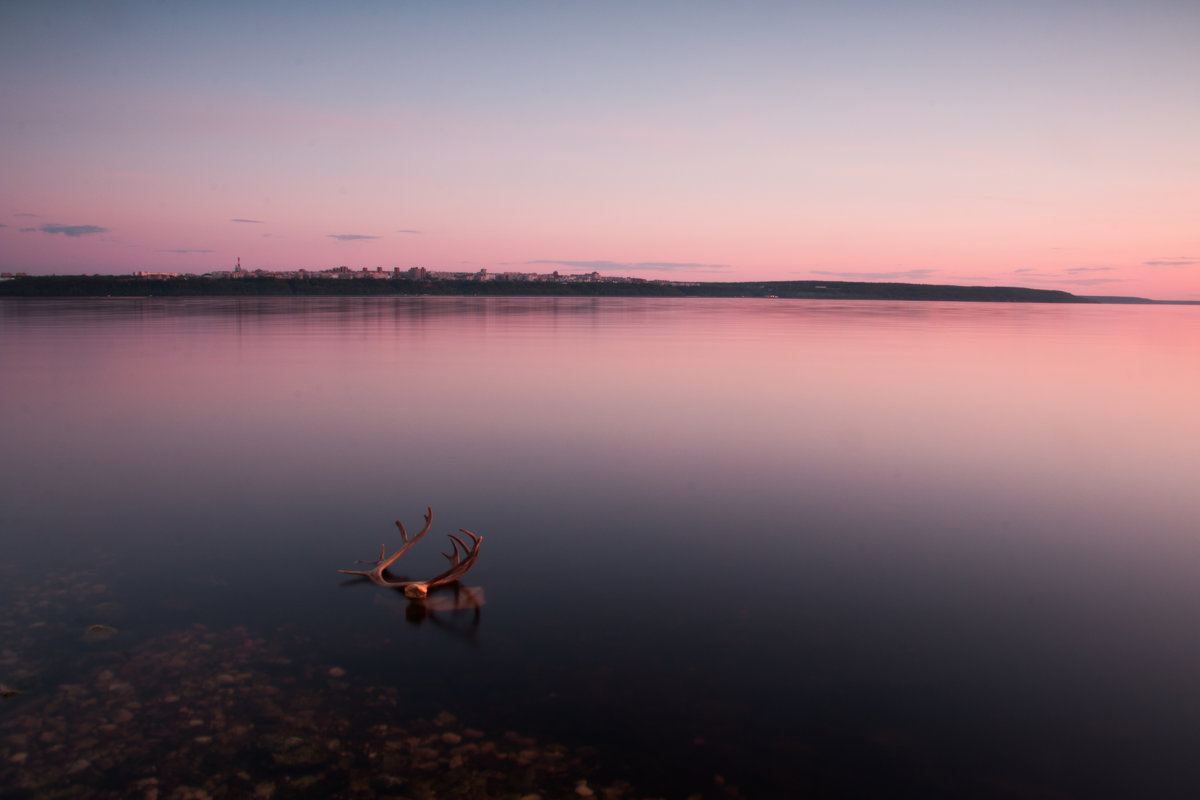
(454, 609)
(840, 548)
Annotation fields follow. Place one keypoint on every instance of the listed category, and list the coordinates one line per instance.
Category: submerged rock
(200, 713)
(99, 633)
(294, 751)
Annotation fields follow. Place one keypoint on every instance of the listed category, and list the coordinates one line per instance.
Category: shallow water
(731, 547)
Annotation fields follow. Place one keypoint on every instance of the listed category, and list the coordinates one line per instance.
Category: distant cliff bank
(128, 286)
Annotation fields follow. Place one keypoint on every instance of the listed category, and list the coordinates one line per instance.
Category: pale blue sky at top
(961, 141)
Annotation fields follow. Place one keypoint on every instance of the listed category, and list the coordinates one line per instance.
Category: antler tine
(458, 567)
(385, 562)
(453, 556)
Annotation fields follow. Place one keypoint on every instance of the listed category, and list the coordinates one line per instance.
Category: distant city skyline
(1040, 144)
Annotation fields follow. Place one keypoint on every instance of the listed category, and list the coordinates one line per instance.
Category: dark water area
(732, 548)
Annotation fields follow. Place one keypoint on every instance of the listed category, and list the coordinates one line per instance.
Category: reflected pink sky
(1015, 403)
(1027, 144)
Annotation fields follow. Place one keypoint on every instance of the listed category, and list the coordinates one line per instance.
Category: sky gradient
(1043, 144)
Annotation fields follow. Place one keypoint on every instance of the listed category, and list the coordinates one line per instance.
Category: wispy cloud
(1090, 281)
(67, 230)
(184, 252)
(250, 221)
(350, 237)
(1056, 278)
(26, 214)
(914, 274)
(635, 266)
(407, 230)
(1180, 261)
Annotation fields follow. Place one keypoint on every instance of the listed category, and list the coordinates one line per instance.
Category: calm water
(738, 548)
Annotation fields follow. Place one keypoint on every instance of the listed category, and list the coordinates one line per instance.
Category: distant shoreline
(131, 286)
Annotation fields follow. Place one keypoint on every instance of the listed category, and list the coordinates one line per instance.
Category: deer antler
(416, 590)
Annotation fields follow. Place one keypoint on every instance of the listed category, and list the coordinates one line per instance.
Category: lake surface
(732, 548)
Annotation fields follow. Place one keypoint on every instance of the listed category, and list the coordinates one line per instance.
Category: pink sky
(1036, 144)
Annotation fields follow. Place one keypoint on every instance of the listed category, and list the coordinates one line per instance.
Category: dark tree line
(123, 286)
